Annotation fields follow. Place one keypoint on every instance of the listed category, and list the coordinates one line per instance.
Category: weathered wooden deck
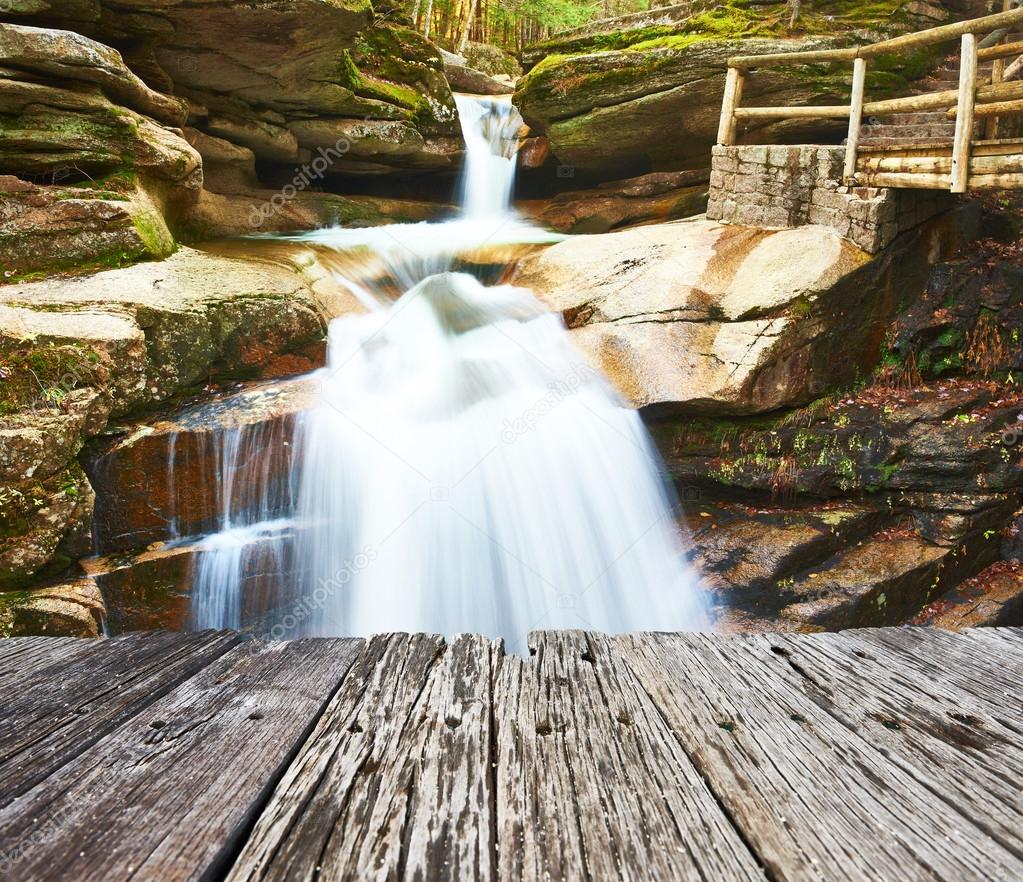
(869, 755)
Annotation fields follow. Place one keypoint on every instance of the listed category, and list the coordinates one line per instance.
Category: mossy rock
(629, 102)
(394, 64)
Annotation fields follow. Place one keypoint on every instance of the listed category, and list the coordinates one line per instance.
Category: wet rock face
(699, 317)
(860, 511)
(171, 478)
(76, 351)
(655, 197)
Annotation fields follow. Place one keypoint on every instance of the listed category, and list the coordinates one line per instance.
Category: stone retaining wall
(794, 185)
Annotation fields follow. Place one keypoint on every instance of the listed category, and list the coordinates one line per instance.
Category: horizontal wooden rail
(973, 99)
(802, 111)
(989, 92)
(931, 36)
(996, 108)
(1003, 50)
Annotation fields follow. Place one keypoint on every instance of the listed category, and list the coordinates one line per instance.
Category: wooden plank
(943, 147)
(943, 33)
(813, 798)
(395, 781)
(896, 45)
(943, 164)
(855, 116)
(997, 75)
(941, 657)
(966, 760)
(22, 658)
(51, 721)
(964, 119)
(731, 99)
(995, 108)
(591, 782)
(943, 100)
(169, 794)
(909, 180)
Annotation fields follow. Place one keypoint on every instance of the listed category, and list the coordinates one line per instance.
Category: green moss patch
(42, 376)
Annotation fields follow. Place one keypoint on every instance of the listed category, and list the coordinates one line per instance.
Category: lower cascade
(463, 467)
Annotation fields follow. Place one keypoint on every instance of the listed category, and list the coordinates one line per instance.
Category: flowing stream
(464, 469)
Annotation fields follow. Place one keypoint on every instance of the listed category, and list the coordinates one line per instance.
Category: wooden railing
(970, 101)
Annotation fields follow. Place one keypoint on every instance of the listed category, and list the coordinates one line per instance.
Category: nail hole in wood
(256, 715)
(727, 725)
(543, 729)
(587, 657)
(157, 724)
(452, 722)
(355, 728)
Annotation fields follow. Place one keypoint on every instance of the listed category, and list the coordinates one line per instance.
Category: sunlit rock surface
(69, 609)
(700, 317)
(76, 350)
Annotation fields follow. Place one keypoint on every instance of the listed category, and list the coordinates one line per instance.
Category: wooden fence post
(733, 95)
(852, 142)
(997, 75)
(964, 114)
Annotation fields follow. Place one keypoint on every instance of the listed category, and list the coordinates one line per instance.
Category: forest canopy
(510, 24)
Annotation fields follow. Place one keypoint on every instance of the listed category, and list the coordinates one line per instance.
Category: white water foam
(466, 470)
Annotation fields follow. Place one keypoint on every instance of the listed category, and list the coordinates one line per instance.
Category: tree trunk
(427, 19)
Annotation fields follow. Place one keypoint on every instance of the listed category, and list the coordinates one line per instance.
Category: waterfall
(491, 132)
(465, 469)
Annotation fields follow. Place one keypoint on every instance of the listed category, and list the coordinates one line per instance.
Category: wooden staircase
(926, 127)
(945, 137)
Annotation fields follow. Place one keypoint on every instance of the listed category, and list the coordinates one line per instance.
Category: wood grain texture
(396, 778)
(23, 659)
(985, 679)
(72, 704)
(168, 795)
(968, 760)
(892, 753)
(814, 798)
(591, 782)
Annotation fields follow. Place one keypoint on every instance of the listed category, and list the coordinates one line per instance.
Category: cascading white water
(465, 468)
(491, 132)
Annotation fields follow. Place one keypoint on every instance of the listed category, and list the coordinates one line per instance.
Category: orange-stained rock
(534, 152)
(154, 588)
(70, 609)
(170, 478)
